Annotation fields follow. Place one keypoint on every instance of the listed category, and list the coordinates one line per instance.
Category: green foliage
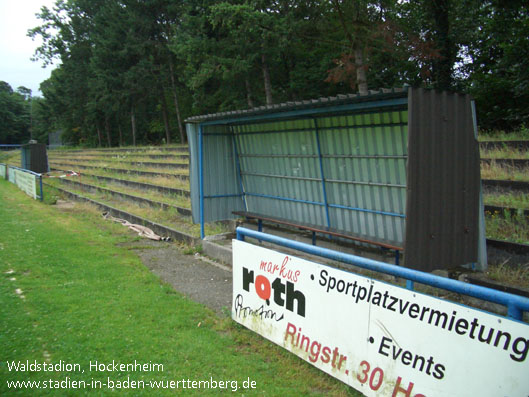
(131, 71)
(511, 200)
(507, 227)
(499, 73)
(519, 134)
(15, 117)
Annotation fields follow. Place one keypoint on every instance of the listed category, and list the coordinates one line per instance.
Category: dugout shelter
(397, 166)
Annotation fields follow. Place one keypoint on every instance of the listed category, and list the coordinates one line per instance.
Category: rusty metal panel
(35, 157)
(443, 180)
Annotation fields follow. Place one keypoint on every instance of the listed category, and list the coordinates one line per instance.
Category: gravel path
(199, 278)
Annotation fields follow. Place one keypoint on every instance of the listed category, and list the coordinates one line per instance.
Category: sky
(16, 48)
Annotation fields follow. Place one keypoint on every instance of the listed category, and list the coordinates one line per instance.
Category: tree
(130, 71)
(498, 71)
(14, 116)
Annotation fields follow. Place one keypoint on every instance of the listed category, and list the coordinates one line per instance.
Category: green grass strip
(507, 227)
(514, 200)
(69, 292)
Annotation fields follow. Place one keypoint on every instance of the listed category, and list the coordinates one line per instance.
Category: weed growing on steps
(511, 200)
(508, 227)
(521, 134)
(510, 274)
(504, 172)
(504, 153)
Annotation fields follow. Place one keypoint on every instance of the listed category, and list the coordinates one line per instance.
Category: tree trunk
(249, 93)
(107, 130)
(98, 135)
(361, 78)
(442, 67)
(267, 81)
(120, 135)
(165, 118)
(177, 107)
(133, 125)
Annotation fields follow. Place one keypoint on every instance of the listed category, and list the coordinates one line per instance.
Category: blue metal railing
(322, 173)
(516, 305)
(39, 176)
(9, 146)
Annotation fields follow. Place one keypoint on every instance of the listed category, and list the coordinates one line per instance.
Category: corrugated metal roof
(372, 95)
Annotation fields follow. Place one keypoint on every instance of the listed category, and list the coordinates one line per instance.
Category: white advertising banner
(11, 174)
(3, 171)
(26, 182)
(381, 339)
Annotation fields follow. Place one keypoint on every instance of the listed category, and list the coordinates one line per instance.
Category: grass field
(71, 293)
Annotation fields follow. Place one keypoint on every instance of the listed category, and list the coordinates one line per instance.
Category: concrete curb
(219, 252)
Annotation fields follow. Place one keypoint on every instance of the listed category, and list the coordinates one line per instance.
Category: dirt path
(199, 278)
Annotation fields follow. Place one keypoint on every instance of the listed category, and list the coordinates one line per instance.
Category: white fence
(26, 180)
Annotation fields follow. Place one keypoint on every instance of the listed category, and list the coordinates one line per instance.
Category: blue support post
(201, 178)
(514, 311)
(239, 173)
(324, 190)
(259, 227)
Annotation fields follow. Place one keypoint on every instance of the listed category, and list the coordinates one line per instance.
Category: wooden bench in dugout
(315, 229)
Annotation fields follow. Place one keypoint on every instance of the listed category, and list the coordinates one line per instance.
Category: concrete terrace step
(61, 166)
(118, 156)
(156, 227)
(521, 145)
(129, 197)
(140, 164)
(515, 163)
(140, 185)
(183, 148)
